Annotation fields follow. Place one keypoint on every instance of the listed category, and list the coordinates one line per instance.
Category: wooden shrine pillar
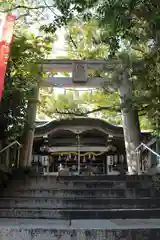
(26, 154)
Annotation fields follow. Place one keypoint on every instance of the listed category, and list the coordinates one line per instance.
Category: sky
(59, 45)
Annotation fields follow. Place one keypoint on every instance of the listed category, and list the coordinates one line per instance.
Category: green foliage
(23, 73)
(74, 103)
(82, 37)
(57, 105)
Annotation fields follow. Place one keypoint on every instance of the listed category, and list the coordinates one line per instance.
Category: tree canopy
(129, 30)
(102, 103)
(95, 29)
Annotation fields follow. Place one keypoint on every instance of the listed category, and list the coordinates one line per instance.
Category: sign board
(79, 73)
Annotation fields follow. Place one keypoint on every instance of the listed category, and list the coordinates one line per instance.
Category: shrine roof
(43, 127)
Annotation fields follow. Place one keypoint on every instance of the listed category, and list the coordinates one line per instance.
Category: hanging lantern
(59, 158)
(44, 148)
(93, 158)
(69, 156)
(84, 159)
(75, 158)
(89, 156)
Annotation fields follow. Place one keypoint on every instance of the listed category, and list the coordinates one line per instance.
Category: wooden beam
(74, 149)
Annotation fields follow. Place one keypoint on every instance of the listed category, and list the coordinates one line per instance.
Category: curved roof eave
(90, 122)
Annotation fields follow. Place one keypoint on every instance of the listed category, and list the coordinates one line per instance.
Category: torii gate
(79, 71)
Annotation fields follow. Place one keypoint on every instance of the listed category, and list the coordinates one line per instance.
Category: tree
(22, 75)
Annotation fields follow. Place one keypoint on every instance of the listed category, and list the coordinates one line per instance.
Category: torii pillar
(131, 127)
(26, 154)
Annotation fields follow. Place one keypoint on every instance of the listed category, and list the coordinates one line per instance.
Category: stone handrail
(148, 148)
(8, 162)
(10, 145)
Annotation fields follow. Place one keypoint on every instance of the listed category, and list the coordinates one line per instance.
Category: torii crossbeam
(79, 71)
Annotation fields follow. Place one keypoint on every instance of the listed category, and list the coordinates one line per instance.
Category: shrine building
(79, 144)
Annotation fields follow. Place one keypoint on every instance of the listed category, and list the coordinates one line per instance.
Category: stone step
(51, 183)
(84, 203)
(78, 224)
(65, 233)
(95, 178)
(79, 213)
(83, 192)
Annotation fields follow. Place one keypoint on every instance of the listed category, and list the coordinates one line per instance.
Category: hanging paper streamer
(76, 153)
(6, 34)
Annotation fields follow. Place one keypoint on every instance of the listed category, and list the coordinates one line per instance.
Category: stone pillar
(26, 156)
(130, 121)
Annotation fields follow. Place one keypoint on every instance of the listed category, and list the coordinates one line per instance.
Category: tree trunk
(26, 154)
(131, 127)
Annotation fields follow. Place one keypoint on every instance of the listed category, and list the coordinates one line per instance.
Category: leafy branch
(78, 112)
(26, 7)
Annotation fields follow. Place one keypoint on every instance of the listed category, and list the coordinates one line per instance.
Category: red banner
(6, 34)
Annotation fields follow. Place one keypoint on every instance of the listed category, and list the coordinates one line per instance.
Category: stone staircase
(97, 207)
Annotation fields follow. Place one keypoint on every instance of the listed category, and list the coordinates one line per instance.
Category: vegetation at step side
(22, 75)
